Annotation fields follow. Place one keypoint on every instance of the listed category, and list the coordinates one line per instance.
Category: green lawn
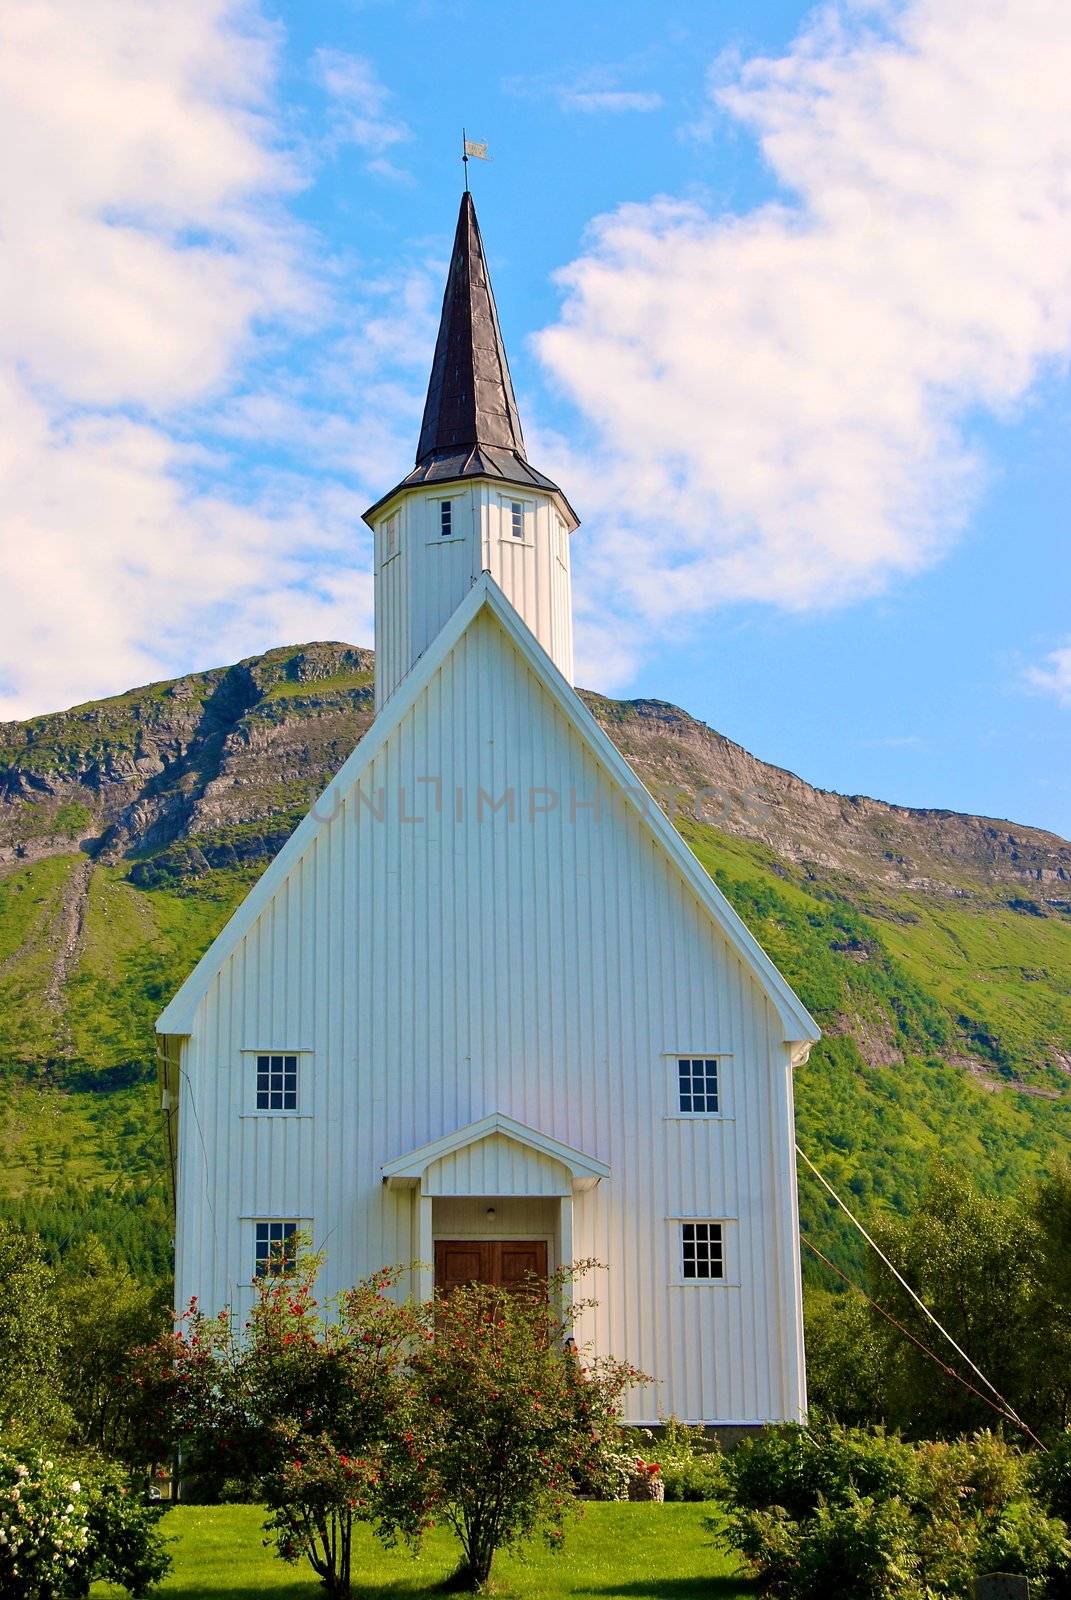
(615, 1552)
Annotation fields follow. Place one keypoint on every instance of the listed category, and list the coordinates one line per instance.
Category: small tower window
(516, 518)
(276, 1249)
(446, 518)
(702, 1251)
(390, 537)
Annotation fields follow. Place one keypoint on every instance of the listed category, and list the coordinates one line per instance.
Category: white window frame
(729, 1252)
(506, 502)
(725, 1111)
(390, 528)
(456, 502)
(250, 1068)
(301, 1225)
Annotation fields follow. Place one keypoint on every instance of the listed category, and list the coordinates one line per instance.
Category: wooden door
(458, 1262)
(504, 1263)
(520, 1261)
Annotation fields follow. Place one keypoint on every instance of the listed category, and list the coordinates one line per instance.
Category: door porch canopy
(495, 1156)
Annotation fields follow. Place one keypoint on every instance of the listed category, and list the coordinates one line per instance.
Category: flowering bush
(44, 1531)
(59, 1532)
(512, 1417)
(306, 1406)
(474, 1410)
(610, 1471)
(690, 1462)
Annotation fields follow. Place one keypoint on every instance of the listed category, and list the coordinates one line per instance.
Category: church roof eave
(475, 467)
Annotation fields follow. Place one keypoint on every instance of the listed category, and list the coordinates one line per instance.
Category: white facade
(490, 948)
(519, 535)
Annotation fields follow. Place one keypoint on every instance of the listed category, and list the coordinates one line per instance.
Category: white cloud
(595, 100)
(114, 574)
(140, 234)
(777, 401)
(1052, 674)
(360, 112)
(149, 268)
(594, 91)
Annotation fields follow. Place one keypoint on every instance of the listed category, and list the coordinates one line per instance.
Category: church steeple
(471, 426)
(470, 396)
(473, 502)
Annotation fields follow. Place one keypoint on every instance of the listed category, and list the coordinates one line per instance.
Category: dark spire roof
(470, 396)
(471, 426)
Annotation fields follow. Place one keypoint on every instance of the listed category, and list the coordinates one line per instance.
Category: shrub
(511, 1415)
(855, 1549)
(1020, 1538)
(606, 1475)
(44, 1532)
(124, 1546)
(797, 1467)
(832, 1510)
(306, 1407)
(60, 1532)
(1050, 1476)
(699, 1479)
(690, 1462)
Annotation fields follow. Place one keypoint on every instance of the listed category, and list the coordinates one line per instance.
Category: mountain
(934, 948)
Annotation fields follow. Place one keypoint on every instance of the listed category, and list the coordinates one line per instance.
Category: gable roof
(585, 1170)
(798, 1025)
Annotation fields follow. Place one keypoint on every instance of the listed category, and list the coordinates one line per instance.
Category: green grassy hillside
(934, 949)
(942, 1025)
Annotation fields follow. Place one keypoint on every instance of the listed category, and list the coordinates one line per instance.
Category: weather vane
(471, 147)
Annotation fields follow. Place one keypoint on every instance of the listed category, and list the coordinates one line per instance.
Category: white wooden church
(484, 1011)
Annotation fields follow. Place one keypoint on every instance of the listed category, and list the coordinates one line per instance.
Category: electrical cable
(950, 1371)
(923, 1307)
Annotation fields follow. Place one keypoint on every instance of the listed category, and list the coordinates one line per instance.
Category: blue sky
(787, 296)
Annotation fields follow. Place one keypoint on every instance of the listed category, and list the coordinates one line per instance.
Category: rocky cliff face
(237, 747)
(705, 775)
(217, 766)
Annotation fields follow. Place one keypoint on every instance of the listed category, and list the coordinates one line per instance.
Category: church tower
(472, 503)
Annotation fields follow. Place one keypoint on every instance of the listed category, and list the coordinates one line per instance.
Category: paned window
(702, 1251)
(277, 1083)
(390, 537)
(516, 518)
(697, 1077)
(446, 518)
(276, 1248)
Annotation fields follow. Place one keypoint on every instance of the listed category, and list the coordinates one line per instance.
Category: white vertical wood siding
(536, 965)
(496, 1166)
(420, 587)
